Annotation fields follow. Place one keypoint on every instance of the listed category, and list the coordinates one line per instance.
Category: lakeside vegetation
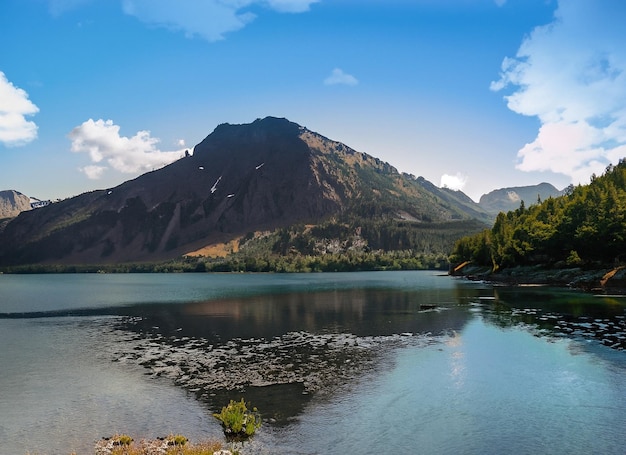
(295, 263)
(239, 422)
(584, 228)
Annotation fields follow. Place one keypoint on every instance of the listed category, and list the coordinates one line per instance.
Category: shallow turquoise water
(485, 390)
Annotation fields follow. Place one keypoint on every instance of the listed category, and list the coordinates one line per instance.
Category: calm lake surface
(367, 363)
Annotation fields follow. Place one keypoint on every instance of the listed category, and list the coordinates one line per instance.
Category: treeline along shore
(577, 239)
(338, 262)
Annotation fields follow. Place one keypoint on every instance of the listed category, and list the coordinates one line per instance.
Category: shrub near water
(238, 421)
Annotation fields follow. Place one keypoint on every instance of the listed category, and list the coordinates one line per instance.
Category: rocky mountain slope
(242, 178)
(506, 199)
(12, 203)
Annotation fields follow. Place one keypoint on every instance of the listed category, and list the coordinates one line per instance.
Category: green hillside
(584, 227)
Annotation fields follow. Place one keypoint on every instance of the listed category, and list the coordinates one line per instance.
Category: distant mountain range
(506, 199)
(12, 203)
(265, 175)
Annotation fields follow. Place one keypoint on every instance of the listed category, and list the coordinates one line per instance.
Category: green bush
(238, 421)
(573, 259)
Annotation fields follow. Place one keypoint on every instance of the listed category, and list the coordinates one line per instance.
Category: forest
(352, 243)
(584, 227)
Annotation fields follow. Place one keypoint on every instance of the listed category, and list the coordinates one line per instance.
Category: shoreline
(600, 280)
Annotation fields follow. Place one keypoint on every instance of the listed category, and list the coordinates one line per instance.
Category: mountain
(12, 203)
(240, 179)
(506, 199)
(454, 199)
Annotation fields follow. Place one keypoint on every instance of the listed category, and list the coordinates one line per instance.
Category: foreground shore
(170, 445)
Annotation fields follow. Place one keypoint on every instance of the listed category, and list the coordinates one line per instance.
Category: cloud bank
(107, 149)
(14, 107)
(208, 19)
(454, 182)
(338, 77)
(571, 75)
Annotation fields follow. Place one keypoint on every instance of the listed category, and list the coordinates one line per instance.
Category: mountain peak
(261, 127)
(12, 203)
(260, 176)
(506, 199)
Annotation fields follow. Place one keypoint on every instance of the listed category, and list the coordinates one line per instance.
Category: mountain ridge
(510, 198)
(268, 174)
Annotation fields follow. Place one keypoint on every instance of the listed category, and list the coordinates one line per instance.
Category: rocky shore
(601, 279)
(170, 445)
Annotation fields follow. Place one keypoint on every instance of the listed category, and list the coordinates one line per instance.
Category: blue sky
(472, 94)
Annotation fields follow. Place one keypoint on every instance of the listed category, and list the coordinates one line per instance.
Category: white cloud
(454, 182)
(102, 141)
(338, 77)
(93, 171)
(14, 107)
(571, 75)
(208, 19)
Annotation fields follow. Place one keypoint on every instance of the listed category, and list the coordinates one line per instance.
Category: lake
(368, 362)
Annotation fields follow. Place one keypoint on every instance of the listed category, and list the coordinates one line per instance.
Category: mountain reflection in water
(362, 312)
(277, 349)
